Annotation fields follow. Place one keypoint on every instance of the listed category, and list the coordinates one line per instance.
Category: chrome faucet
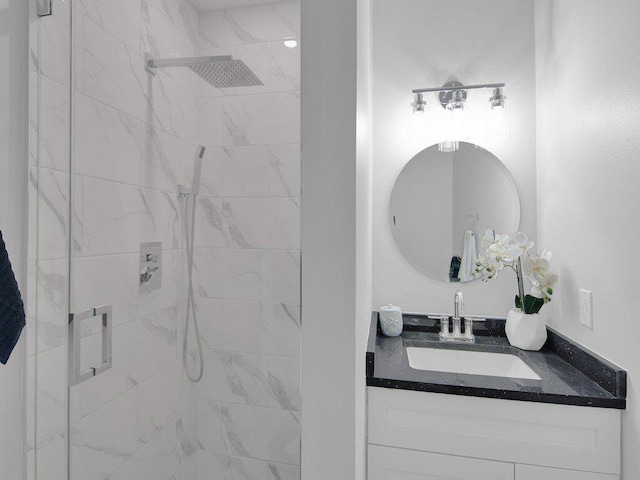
(458, 302)
(456, 335)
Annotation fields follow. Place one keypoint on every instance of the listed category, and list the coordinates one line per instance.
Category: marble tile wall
(131, 134)
(248, 250)
(134, 140)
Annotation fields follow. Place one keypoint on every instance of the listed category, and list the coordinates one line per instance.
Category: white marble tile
(78, 49)
(211, 121)
(233, 274)
(115, 75)
(189, 117)
(55, 43)
(284, 161)
(53, 212)
(161, 398)
(187, 433)
(210, 319)
(210, 228)
(51, 387)
(141, 348)
(165, 37)
(209, 427)
(161, 161)
(282, 323)
(51, 459)
(236, 172)
(285, 277)
(77, 197)
(157, 460)
(284, 67)
(54, 129)
(106, 439)
(188, 470)
(211, 29)
(118, 217)
(280, 471)
(261, 433)
(217, 466)
(121, 18)
(181, 14)
(244, 328)
(268, 119)
(266, 223)
(255, 56)
(284, 382)
(108, 142)
(235, 377)
(51, 303)
(262, 23)
(263, 328)
(118, 285)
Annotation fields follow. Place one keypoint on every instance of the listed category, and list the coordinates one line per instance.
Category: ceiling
(206, 5)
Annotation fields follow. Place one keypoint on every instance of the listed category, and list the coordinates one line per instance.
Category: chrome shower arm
(152, 64)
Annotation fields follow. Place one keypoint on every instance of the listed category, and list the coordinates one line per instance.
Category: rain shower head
(221, 71)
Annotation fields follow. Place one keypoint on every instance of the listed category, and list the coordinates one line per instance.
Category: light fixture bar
(458, 87)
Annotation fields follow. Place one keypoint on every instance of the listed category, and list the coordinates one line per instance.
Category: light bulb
(291, 43)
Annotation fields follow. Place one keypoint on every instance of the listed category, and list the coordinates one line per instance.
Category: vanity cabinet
(529, 472)
(388, 463)
(528, 439)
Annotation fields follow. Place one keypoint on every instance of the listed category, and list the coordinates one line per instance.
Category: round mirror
(441, 205)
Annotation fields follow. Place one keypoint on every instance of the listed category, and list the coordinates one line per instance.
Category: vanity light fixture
(418, 105)
(498, 99)
(453, 95)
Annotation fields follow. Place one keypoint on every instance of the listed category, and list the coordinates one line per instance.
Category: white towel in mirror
(469, 258)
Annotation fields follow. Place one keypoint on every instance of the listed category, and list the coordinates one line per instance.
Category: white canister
(391, 320)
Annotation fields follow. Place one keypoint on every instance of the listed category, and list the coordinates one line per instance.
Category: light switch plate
(586, 308)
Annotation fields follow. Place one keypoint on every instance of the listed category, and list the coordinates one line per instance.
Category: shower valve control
(150, 266)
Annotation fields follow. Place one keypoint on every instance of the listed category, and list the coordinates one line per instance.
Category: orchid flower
(515, 252)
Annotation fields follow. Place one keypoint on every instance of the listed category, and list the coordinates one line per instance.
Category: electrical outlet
(586, 308)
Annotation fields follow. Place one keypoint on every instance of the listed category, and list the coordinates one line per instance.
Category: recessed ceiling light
(291, 43)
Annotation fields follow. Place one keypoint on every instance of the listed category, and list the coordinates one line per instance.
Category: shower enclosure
(110, 263)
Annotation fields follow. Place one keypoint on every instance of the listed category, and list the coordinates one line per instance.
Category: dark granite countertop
(570, 374)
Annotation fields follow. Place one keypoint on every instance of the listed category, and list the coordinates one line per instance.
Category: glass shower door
(131, 408)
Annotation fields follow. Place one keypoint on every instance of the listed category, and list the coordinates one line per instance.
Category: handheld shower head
(197, 170)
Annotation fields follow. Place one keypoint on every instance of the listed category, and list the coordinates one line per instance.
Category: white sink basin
(469, 362)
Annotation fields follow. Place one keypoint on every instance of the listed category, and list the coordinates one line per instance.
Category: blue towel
(12, 317)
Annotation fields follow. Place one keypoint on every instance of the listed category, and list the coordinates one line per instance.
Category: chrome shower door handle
(76, 375)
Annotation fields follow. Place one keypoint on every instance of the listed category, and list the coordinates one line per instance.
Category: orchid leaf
(531, 304)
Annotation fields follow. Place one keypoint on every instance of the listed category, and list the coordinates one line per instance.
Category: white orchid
(489, 267)
(543, 287)
(520, 245)
(515, 252)
(534, 267)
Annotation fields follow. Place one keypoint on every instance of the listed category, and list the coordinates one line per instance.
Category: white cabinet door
(388, 463)
(528, 472)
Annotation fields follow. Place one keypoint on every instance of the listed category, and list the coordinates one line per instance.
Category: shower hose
(191, 299)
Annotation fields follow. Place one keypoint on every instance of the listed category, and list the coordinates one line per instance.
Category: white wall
(419, 44)
(14, 43)
(335, 238)
(588, 179)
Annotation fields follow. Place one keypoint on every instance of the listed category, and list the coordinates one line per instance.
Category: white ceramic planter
(526, 331)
